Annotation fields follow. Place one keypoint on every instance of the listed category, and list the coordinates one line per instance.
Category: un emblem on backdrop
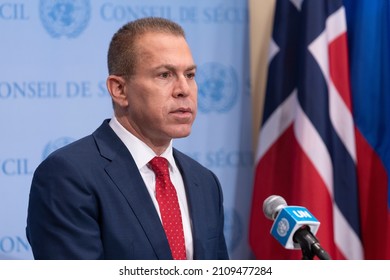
(64, 17)
(55, 144)
(218, 87)
(233, 229)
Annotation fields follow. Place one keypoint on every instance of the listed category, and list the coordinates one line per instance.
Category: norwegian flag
(307, 149)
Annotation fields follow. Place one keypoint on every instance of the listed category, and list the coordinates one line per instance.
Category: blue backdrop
(52, 92)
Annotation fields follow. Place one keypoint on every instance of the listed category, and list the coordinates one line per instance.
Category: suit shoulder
(82, 147)
(76, 155)
(76, 148)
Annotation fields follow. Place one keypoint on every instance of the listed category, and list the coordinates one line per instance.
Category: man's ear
(116, 87)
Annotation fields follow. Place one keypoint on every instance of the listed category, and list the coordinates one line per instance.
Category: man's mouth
(182, 110)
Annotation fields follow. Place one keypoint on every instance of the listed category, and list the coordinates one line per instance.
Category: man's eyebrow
(192, 67)
(173, 68)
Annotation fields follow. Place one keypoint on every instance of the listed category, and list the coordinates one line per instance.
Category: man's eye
(165, 75)
(191, 75)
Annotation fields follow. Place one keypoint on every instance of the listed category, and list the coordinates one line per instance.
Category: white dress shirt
(142, 154)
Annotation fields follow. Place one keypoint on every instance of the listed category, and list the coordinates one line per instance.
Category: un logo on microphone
(218, 87)
(283, 227)
(64, 17)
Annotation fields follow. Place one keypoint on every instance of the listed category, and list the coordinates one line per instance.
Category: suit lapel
(125, 174)
(195, 204)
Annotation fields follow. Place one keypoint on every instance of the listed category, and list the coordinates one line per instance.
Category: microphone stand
(310, 246)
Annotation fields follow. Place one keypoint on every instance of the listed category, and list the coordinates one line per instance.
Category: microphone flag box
(288, 221)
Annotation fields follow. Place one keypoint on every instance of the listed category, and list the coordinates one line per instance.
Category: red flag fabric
(307, 147)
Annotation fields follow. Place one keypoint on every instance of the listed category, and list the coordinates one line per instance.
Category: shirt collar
(141, 152)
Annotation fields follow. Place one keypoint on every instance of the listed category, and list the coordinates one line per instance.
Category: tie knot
(159, 166)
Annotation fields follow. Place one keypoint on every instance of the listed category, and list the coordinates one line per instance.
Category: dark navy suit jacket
(89, 201)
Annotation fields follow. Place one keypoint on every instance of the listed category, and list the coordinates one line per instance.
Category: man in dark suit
(96, 198)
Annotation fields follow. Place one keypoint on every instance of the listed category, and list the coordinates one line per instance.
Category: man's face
(162, 93)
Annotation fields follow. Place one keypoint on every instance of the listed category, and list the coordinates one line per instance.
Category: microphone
(294, 227)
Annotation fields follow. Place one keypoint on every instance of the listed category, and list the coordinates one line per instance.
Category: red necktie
(169, 208)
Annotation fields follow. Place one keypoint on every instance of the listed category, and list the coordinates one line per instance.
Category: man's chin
(181, 133)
